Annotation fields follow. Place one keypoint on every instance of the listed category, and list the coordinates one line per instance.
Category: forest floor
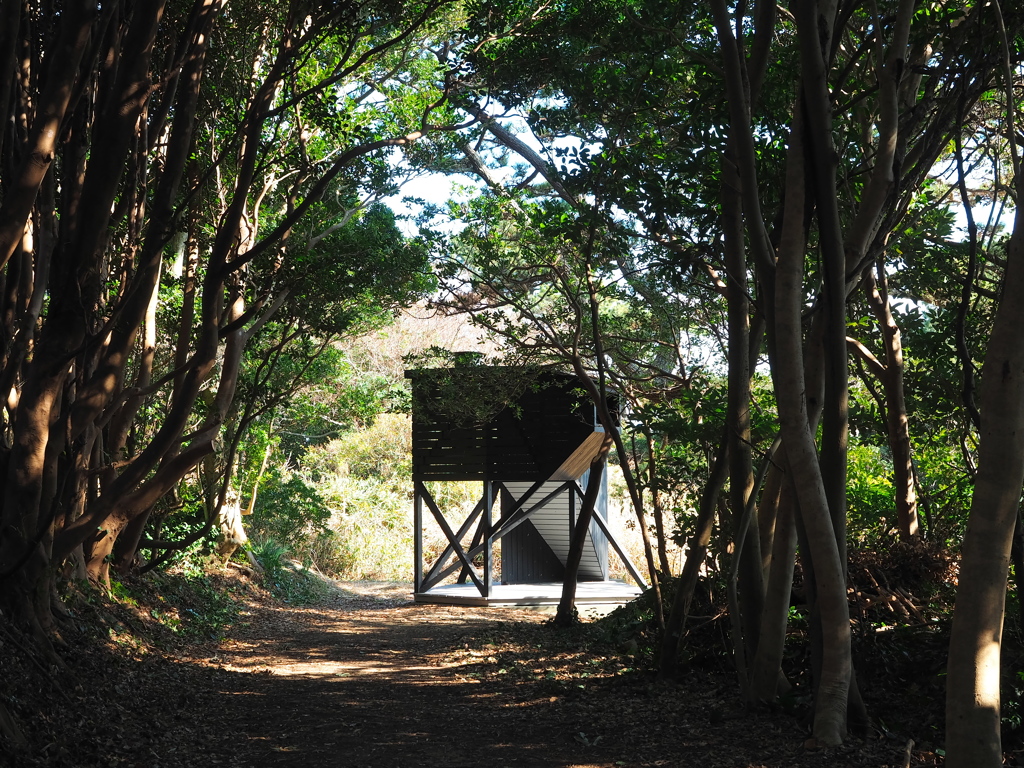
(367, 678)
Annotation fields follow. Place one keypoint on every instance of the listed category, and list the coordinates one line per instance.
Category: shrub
(869, 493)
(281, 576)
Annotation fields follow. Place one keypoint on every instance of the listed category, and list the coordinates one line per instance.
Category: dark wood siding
(527, 559)
(526, 441)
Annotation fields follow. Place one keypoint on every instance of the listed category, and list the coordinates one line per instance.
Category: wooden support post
(572, 512)
(488, 544)
(417, 556)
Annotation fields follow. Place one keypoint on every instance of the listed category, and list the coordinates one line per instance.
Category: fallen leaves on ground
(369, 679)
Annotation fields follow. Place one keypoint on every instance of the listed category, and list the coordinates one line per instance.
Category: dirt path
(183, 673)
(380, 685)
(372, 680)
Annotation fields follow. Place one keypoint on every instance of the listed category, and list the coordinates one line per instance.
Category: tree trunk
(743, 226)
(695, 554)
(896, 421)
(741, 473)
(657, 509)
(767, 515)
(766, 667)
(972, 683)
(599, 396)
(801, 451)
(565, 614)
(76, 22)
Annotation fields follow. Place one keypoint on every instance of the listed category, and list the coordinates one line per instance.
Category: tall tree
(140, 134)
(973, 713)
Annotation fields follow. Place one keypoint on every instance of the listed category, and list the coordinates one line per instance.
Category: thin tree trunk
(973, 738)
(695, 554)
(599, 396)
(741, 474)
(897, 423)
(76, 22)
(766, 668)
(798, 439)
(638, 505)
(817, 128)
(767, 516)
(11, 35)
(565, 615)
(106, 381)
(740, 195)
(657, 509)
(127, 545)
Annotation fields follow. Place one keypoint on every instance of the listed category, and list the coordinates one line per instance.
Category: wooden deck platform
(587, 593)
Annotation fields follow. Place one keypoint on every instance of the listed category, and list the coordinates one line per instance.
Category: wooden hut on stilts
(531, 451)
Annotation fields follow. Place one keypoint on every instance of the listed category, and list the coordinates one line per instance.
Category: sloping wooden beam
(579, 461)
(632, 569)
(478, 536)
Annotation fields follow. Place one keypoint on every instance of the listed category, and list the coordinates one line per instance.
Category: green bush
(870, 500)
(286, 581)
(288, 508)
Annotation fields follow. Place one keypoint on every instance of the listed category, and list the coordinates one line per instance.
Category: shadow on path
(378, 682)
(377, 687)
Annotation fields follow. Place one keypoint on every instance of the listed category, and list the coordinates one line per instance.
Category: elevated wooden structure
(532, 457)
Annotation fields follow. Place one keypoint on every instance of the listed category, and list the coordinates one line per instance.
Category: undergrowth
(162, 608)
(287, 580)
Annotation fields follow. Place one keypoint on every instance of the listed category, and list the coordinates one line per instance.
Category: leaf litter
(369, 678)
